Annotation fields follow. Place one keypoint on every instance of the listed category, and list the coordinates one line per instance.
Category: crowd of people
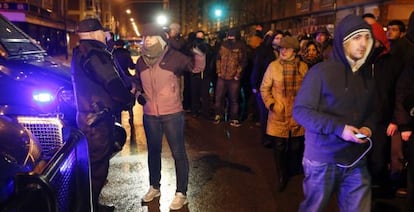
(310, 94)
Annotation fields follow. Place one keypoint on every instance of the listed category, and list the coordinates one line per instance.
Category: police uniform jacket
(95, 78)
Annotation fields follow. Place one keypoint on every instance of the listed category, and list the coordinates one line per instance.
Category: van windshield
(15, 41)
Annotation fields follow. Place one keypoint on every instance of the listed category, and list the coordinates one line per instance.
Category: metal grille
(47, 130)
(64, 182)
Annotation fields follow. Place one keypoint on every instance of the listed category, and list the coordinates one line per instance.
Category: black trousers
(288, 154)
(408, 150)
(196, 86)
(100, 147)
(379, 157)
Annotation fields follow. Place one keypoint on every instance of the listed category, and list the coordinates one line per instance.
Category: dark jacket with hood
(405, 86)
(386, 68)
(332, 96)
(265, 54)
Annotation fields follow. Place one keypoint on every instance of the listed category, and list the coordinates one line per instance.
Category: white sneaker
(179, 201)
(235, 123)
(151, 194)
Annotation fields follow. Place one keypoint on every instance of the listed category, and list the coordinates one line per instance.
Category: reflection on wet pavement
(229, 171)
(210, 171)
(128, 174)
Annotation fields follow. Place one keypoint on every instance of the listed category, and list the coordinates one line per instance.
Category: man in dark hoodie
(336, 102)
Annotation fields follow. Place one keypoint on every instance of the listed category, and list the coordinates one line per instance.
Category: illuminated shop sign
(13, 6)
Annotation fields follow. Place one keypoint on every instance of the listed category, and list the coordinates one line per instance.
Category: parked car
(44, 158)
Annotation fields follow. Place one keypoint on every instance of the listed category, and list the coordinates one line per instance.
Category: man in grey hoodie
(335, 103)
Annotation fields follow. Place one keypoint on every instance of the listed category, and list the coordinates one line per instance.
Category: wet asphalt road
(229, 171)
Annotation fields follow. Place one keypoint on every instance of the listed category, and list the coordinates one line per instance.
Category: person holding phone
(334, 104)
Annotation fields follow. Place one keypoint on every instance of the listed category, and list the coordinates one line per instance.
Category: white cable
(360, 157)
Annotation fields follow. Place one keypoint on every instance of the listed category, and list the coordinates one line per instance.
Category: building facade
(53, 22)
(299, 16)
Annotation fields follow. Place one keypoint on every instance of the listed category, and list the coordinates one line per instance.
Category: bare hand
(348, 134)
(366, 131)
(405, 135)
(392, 129)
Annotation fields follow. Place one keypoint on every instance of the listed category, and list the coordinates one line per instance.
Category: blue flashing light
(43, 97)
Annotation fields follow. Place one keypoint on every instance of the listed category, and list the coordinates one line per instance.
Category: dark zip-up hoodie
(332, 96)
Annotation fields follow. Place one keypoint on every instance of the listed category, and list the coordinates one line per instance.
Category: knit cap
(152, 29)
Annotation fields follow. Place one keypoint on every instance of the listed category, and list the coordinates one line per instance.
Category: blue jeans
(173, 127)
(322, 180)
(232, 89)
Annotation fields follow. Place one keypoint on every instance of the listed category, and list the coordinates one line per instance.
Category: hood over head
(234, 33)
(346, 29)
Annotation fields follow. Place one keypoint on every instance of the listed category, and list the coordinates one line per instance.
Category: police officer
(99, 93)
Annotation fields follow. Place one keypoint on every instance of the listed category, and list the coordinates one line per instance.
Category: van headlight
(43, 97)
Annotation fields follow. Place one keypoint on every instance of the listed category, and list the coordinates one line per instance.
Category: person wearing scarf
(279, 87)
(158, 71)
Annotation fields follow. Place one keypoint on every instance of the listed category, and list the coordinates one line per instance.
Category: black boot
(267, 142)
(280, 154)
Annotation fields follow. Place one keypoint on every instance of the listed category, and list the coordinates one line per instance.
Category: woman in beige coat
(279, 87)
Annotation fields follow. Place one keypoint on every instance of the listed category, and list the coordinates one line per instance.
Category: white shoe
(235, 123)
(179, 201)
(151, 194)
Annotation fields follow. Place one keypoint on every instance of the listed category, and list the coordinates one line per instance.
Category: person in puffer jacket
(158, 71)
(336, 102)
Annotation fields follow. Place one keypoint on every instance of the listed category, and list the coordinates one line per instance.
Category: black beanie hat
(152, 29)
(234, 32)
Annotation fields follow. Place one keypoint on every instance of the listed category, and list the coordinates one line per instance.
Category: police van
(44, 158)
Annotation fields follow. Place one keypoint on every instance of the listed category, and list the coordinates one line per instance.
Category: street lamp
(218, 13)
(162, 19)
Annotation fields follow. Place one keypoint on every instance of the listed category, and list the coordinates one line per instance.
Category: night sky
(146, 12)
